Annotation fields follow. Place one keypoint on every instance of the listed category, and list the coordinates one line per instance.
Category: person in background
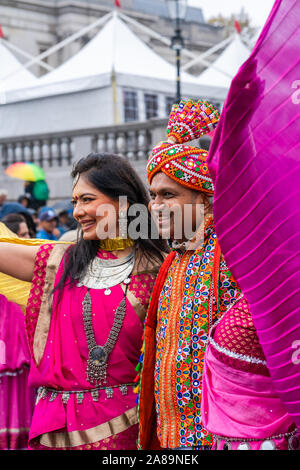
(16, 208)
(17, 224)
(3, 196)
(24, 200)
(37, 193)
(63, 222)
(35, 219)
(48, 224)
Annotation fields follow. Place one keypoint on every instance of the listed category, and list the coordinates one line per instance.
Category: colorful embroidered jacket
(191, 292)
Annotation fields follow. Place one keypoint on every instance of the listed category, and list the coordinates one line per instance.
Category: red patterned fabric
(236, 333)
(191, 119)
(180, 161)
(35, 296)
(146, 403)
(141, 287)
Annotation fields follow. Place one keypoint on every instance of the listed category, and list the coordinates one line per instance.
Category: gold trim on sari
(136, 304)
(98, 433)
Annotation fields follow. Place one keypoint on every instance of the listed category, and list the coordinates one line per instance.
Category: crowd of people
(27, 221)
(160, 320)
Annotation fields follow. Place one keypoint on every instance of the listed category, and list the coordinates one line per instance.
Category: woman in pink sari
(16, 398)
(85, 314)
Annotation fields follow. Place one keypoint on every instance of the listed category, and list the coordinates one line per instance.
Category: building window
(131, 112)
(151, 106)
(170, 100)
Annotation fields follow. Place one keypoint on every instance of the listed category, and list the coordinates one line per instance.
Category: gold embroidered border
(43, 323)
(88, 436)
(167, 383)
(136, 304)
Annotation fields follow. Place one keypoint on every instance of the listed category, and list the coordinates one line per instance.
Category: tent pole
(115, 101)
(207, 53)
(154, 34)
(25, 54)
(168, 42)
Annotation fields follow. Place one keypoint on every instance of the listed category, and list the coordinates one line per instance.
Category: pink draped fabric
(16, 397)
(241, 404)
(63, 365)
(254, 161)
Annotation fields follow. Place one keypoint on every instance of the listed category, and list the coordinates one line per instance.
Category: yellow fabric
(13, 289)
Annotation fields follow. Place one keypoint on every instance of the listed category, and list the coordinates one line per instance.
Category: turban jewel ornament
(188, 120)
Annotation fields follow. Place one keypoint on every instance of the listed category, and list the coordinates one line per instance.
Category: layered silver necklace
(104, 274)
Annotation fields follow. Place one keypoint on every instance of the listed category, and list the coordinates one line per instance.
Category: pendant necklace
(98, 355)
(108, 274)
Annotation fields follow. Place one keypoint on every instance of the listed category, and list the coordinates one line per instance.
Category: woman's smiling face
(94, 211)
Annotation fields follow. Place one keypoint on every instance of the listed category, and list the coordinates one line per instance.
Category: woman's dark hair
(113, 176)
(13, 221)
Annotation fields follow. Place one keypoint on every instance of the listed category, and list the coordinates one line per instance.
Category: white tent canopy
(115, 51)
(115, 48)
(222, 71)
(12, 74)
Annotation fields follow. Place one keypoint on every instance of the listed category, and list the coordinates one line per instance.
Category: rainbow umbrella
(25, 171)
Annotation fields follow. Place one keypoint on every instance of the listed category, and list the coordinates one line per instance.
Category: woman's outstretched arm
(18, 260)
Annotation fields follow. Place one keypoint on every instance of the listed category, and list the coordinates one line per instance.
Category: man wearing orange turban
(191, 290)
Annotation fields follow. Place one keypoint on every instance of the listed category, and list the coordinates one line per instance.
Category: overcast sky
(258, 10)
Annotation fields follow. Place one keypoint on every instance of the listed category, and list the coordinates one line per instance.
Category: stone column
(82, 146)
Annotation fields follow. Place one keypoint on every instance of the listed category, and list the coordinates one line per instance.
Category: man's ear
(203, 199)
(206, 203)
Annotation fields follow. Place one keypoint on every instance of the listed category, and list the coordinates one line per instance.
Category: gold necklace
(115, 244)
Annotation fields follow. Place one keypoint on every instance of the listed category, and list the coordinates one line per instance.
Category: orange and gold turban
(183, 163)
